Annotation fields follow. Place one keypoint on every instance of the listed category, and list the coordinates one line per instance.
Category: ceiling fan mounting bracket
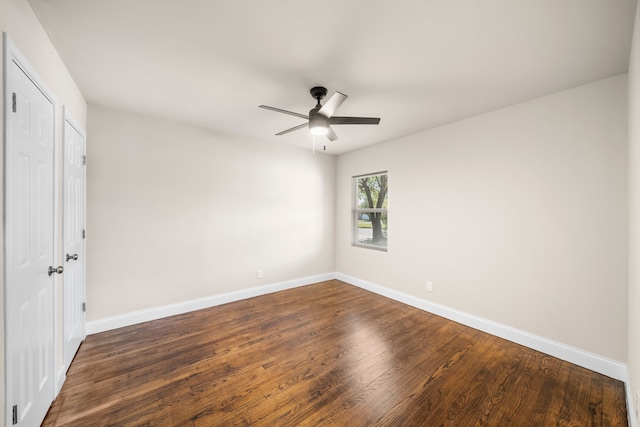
(318, 92)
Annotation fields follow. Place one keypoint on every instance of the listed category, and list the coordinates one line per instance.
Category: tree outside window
(370, 217)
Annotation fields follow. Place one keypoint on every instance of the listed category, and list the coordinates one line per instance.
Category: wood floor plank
(435, 393)
(519, 397)
(327, 354)
(483, 406)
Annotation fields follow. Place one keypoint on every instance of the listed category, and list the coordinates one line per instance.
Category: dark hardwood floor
(328, 354)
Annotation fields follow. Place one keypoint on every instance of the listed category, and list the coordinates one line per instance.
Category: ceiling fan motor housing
(318, 123)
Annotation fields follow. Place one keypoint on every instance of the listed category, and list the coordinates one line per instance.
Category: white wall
(23, 28)
(177, 213)
(517, 216)
(633, 355)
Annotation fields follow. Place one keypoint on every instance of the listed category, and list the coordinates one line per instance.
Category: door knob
(73, 257)
(58, 270)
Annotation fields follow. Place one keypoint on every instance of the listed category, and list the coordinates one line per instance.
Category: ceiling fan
(321, 117)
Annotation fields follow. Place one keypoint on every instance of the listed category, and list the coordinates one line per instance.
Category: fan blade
(293, 128)
(329, 108)
(354, 120)
(278, 110)
(331, 135)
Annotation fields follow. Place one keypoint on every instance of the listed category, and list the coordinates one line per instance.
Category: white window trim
(355, 212)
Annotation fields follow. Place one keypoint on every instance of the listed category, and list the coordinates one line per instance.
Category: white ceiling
(416, 64)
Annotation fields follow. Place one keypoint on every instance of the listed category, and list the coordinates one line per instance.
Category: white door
(29, 245)
(73, 230)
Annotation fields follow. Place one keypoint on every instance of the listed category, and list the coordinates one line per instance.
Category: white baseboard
(594, 362)
(603, 365)
(128, 319)
(631, 413)
(61, 377)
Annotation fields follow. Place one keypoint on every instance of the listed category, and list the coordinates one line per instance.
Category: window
(370, 225)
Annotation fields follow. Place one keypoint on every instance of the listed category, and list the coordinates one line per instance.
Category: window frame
(357, 212)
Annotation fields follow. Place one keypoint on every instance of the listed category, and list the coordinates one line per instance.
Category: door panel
(29, 248)
(74, 285)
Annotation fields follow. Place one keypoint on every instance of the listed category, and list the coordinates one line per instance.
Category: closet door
(29, 244)
(74, 233)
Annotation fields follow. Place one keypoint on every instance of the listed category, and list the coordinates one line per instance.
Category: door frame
(68, 118)
(13, 55)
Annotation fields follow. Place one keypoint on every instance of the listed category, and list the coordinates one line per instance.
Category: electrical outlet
(259, 274)
(429, 286)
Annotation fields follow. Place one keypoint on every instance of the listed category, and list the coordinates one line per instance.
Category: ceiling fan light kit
(318, 125)
(321, 117)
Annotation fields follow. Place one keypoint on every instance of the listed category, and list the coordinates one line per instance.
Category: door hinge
(84, 234)
(15, 414)
(15, 103)
(84, 160)
(84, 307)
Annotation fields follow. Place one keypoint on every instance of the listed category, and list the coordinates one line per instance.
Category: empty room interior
(338, 213)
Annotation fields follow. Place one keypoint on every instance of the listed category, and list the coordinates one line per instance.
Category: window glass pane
(371, 228)
(371, 192)
(370, 223)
